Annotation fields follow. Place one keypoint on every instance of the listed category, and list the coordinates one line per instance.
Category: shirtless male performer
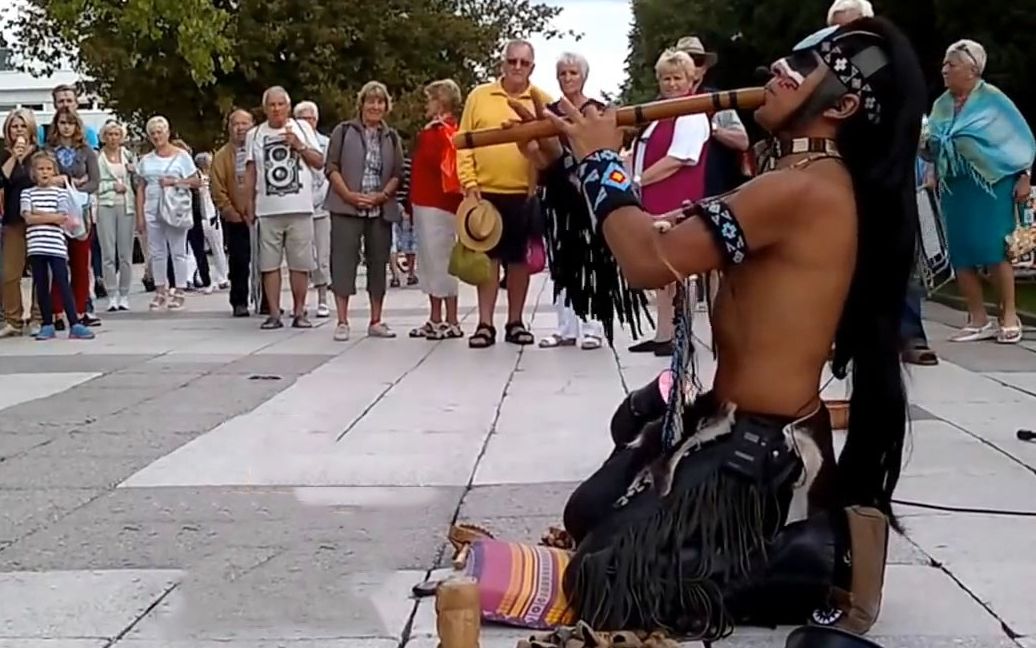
(686, 525)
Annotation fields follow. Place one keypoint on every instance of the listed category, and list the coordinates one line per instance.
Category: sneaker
(89, 319)
(341, 333)
(46, 332)
(113, 305)
(80, 332)
(323, 311)
(124, 303)
(241, 311)
(301, 322)
(380, 330)
(208, 290)
(59, 324)
(10, 331)
(224, 285)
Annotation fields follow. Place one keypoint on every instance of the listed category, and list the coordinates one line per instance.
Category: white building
(21, 90)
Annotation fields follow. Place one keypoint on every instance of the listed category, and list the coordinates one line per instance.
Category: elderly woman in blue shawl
(983, 152)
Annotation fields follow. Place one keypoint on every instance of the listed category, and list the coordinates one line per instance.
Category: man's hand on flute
(588, 131)
(542, 152)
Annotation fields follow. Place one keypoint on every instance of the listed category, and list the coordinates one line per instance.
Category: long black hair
(880, 158)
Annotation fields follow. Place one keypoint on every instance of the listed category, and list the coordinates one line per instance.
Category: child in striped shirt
(45, 209)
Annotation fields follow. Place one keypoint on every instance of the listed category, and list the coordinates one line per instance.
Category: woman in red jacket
(435, 195)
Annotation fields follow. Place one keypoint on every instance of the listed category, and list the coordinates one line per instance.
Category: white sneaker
(341, 333)
(380, 330)
(9, 331)
(113, 304)
(323, 311)
(124, 303)
(208, 290)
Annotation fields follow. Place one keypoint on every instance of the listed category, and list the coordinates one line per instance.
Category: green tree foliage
(193, 60)
(750, 33)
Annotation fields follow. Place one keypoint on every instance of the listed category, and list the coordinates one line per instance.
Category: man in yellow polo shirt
(505, 178)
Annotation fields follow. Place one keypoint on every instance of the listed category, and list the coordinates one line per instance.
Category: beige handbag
(1022, 241)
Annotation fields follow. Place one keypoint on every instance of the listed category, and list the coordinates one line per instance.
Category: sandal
(972, 333)
(920, 355)
(158, 303)
(452, 332)
(554, 341)
(590, 343)
(516, 333)
(1009, 334)
(483, 337)
(426, 330)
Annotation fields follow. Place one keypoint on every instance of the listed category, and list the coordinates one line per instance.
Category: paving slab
(75, 605)
(1006, 587)
(23, 388)
(337, 642)
(284, 600)
(24, 511)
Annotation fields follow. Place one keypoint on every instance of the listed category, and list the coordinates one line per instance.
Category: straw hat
(479, 225)
(693, 46)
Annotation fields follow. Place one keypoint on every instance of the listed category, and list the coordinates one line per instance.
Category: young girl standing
(45, 209)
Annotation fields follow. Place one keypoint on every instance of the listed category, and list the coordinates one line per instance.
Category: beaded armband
(723, 224)
(606, 185)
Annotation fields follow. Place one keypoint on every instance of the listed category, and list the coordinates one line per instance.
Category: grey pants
(347, 235)
(115, 230)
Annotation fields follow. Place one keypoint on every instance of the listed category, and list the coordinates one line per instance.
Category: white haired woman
(843, 12)
(116, 214)
(572, 72)
(435, 195)
(983, 151)
(162, 176)
(364, 166)
(210, 224)
(669, 160)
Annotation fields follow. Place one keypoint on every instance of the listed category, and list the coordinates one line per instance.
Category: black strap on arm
(721, 221)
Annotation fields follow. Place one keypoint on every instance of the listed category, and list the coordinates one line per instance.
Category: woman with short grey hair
(364, 166)
(116, 214)
(983, 151)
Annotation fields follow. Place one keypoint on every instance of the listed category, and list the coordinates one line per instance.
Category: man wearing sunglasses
(503, 177)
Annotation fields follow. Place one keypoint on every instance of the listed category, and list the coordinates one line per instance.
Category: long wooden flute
(743, 99)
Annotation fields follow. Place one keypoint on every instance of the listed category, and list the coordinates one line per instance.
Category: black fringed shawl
(581, 264)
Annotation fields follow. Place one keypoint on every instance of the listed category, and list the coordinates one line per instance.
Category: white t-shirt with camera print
(283, 180)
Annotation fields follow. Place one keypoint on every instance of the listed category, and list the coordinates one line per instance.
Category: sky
(604, 25)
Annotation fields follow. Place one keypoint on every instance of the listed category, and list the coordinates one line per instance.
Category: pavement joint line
(140, 617)
(377, 399)
(408, 626)
(993, 446)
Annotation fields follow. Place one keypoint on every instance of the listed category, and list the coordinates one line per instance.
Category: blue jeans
(47, 269)
(911, 328)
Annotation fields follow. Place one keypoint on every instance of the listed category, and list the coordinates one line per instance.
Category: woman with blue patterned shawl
(983, 151)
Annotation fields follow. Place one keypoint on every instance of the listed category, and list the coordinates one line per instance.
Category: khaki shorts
(286, 235)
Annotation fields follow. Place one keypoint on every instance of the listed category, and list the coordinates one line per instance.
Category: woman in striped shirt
(45, 209)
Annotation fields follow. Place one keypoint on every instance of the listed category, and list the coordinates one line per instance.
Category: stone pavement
(187, 480)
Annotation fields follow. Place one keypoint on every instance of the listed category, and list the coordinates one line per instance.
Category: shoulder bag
(174, 204)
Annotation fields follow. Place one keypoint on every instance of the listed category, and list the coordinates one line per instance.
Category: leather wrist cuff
(606, 185)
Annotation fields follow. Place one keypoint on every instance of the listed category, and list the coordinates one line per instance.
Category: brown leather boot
(857, 610)
(458, 613)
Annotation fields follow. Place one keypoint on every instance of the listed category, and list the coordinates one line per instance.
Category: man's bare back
(776, 315)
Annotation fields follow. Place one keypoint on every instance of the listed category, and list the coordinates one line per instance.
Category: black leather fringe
(668, 572)
(581, 263)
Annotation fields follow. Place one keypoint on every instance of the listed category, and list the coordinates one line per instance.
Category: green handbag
(471, 267)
